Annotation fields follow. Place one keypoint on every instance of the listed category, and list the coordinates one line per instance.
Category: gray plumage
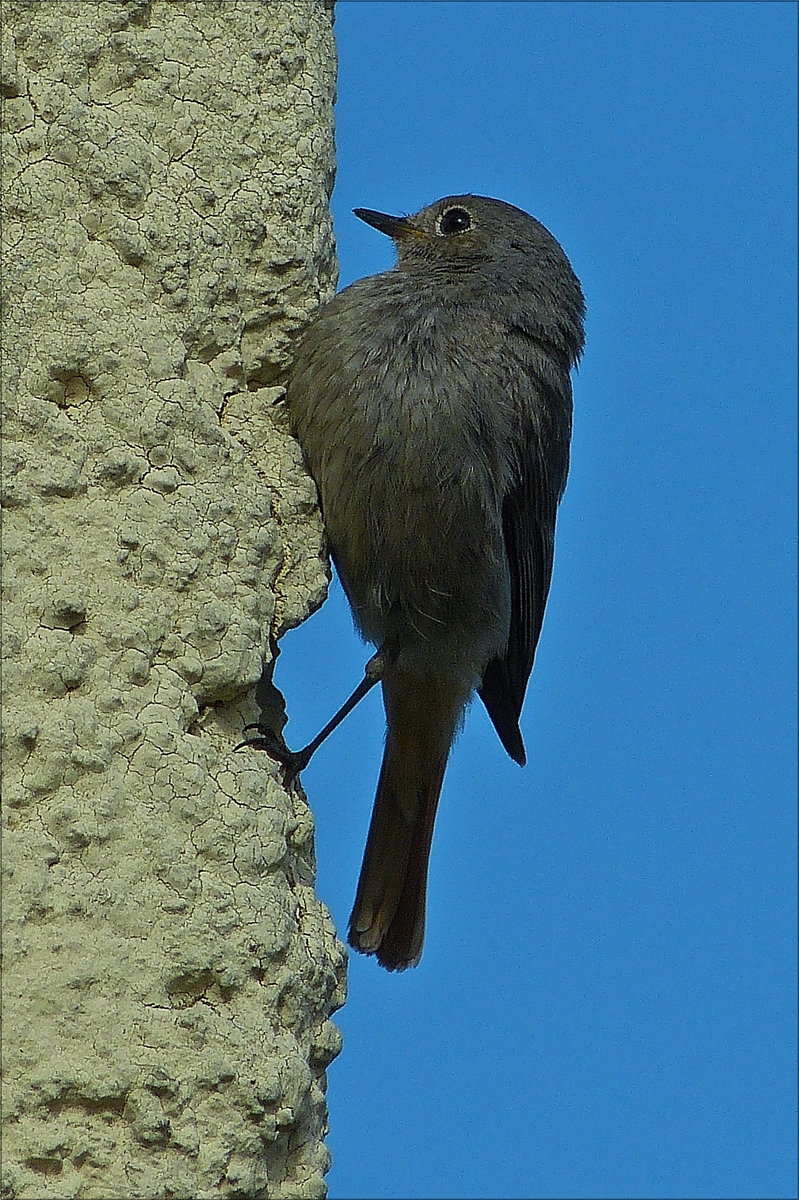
(433, 404)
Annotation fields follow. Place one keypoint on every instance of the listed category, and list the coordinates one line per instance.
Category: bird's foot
(293, 762)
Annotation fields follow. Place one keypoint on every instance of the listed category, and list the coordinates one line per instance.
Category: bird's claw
(292, 762)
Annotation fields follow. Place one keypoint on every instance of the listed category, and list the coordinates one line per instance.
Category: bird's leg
(296, 761)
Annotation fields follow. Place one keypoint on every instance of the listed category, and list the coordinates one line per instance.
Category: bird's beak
(395, 227)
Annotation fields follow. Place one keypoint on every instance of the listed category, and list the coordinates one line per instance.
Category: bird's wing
(528, 519)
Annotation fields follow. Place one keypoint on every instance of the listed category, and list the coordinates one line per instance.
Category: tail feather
(388, 917)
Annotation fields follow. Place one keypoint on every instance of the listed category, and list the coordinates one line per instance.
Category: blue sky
(606, 1002)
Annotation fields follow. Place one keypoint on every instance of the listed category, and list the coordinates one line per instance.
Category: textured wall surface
(169, 974)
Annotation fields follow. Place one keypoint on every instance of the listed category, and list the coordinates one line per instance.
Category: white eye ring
(460, 221)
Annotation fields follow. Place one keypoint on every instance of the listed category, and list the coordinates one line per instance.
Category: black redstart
(433, 404)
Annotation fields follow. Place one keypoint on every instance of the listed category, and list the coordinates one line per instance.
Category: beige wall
(169, 972)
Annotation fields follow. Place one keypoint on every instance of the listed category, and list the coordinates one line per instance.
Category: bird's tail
(387, 919)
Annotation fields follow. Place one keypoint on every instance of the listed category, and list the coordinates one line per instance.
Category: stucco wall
(169, 973)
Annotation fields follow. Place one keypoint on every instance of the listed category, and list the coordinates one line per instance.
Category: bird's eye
(454, 220)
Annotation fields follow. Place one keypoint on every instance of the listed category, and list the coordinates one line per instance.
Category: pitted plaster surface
(169, 974)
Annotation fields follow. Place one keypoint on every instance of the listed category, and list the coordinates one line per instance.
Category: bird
(433, 405)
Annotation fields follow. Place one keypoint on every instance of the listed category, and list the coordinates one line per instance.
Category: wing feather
(528, 519)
